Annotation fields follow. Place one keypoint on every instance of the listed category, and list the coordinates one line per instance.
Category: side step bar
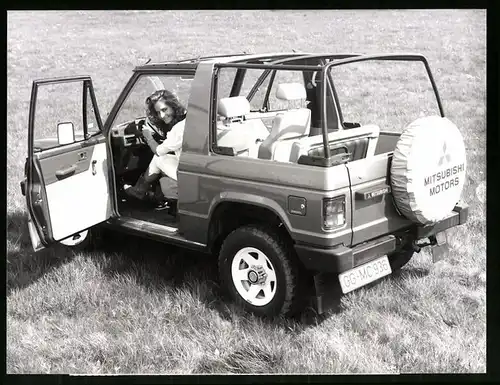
(153, 231)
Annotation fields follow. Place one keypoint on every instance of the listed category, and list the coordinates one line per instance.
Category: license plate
(362, 275)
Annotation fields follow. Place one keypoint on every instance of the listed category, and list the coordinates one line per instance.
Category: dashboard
(130, 154)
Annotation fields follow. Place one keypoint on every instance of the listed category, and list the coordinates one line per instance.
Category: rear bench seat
(360, 142)
(288, 139)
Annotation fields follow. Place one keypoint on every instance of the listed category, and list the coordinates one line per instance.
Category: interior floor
(147, 213)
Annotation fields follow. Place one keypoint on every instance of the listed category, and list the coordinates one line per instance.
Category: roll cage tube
(389, 57)
(285, 67)
(238, 82)
(320, 57)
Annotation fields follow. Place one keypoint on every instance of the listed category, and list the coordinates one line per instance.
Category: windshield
(134, 107)
(390, 94)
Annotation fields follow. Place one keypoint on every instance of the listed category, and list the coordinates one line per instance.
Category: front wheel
(86, 240)
(260, 271)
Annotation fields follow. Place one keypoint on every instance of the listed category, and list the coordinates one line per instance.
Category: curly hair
(171, 100)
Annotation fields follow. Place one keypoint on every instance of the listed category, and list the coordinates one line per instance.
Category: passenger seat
(243, 136)
(290, 124)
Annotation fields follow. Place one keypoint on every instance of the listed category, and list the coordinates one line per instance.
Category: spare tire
(428, 169)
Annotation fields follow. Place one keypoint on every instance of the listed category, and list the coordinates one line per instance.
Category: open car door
(68, 165)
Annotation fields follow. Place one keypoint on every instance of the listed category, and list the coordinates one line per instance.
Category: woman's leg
(153, 171)
(167, 164)
(143, 184)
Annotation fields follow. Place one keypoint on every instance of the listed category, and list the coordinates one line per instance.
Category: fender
(256, 200)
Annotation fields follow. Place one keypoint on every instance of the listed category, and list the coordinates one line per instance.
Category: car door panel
(53, 162)
(75, 200)
(68, 184)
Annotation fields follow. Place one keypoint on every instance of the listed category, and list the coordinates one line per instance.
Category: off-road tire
(290, 276)
(92, 241)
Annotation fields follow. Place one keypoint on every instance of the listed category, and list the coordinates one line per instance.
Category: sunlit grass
(136, 306)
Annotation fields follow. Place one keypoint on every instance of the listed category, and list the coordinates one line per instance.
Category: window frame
(87, 89)
(213, 148)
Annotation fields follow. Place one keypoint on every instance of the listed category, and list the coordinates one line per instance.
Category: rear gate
(373, 210)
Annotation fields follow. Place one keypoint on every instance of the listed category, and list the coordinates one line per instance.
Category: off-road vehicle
(272, 178)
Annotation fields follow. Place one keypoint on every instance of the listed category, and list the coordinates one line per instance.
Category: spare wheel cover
(428, 169)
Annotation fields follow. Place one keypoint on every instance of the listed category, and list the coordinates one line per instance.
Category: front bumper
(341, 258)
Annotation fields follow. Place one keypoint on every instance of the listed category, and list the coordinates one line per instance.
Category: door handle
(64, 173)
(94, 171)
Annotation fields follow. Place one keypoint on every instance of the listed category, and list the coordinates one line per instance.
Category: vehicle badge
(444, 156)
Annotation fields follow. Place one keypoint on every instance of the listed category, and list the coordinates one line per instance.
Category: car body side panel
(217, 178)
(196, 134)
(207, 179)
(193, 223)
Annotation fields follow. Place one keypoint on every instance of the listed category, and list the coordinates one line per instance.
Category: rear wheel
(260, 271)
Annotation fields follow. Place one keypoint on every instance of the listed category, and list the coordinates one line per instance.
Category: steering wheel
(140, 138)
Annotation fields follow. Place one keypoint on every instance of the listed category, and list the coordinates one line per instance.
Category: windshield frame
(178, 70)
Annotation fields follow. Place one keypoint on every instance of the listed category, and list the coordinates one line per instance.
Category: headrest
(291, 91)
(233, 107)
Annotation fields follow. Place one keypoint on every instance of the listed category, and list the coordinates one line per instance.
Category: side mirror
(65, 133)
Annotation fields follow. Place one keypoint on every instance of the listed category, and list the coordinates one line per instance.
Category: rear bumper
(457, 217)
(341, 258)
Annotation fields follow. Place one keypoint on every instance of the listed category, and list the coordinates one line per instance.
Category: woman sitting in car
(165, 120)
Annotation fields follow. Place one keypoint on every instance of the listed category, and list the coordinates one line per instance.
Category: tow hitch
(438, 243)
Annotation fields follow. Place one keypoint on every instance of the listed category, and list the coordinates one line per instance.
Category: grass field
(136, 306)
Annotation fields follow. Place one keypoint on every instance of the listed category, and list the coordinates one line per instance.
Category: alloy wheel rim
(254, 276)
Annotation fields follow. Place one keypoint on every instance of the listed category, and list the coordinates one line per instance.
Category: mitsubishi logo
(444, 156)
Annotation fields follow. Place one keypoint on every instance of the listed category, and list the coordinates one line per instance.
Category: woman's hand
(147, 134)
(147, 130)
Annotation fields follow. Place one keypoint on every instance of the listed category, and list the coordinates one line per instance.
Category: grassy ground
(141, 307)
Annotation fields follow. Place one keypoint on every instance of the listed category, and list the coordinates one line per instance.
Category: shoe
(135, 193)
(162, 206)
(139, 190)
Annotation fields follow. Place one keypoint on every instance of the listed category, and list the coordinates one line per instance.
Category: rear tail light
(333, 212)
